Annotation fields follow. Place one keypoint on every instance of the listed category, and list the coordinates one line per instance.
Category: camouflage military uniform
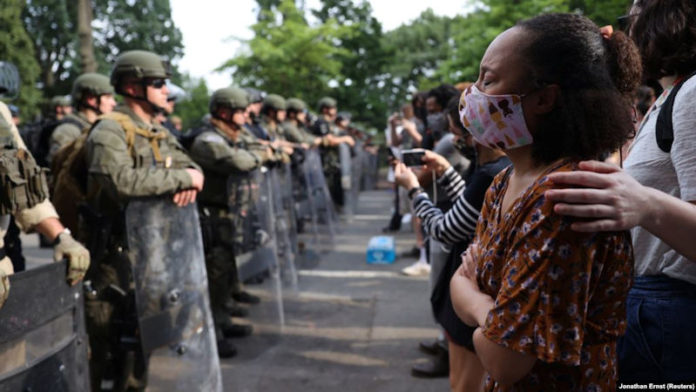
(330, 160)
(66, 132)
(297, 133)
(224, 208)
(117, 175)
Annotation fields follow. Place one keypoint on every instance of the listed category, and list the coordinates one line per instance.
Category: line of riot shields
(290, 221)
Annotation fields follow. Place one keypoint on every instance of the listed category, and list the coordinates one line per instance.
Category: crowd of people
(560, 256)
(553, 211)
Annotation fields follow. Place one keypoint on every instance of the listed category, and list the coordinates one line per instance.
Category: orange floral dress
(560, 295)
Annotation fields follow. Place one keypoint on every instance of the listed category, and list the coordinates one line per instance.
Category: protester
(655, 195)
(548, 303)
(455, 228)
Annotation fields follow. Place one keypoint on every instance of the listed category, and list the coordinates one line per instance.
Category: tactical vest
(23, 182)
(231, 190)
(70, 167)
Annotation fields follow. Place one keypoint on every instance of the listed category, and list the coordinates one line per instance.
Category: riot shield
(259, 226)
(322, 213)
(344, 157)
(171, 294)
(43, 345)
(356, 170)
(283, 217)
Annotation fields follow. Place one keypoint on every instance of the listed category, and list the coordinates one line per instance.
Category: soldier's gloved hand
(4, 287)
(78, 257)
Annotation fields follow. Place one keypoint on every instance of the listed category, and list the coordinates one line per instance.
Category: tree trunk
(84, 30)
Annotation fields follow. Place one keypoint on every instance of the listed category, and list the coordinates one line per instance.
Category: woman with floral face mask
(548, 303)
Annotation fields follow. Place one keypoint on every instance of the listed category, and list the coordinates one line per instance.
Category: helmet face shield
(9, 80)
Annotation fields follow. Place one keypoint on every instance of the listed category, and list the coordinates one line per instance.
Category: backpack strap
(664, 128)
(131, 130)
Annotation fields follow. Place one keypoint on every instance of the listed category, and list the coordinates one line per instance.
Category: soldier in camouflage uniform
(92, 95)
(294, 126)
(225, 203)
(122, 166)
(332, 137)
(28, 201)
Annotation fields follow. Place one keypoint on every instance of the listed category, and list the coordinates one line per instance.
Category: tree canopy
(343, 51)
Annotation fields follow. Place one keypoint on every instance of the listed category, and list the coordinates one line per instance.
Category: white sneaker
(419, 268)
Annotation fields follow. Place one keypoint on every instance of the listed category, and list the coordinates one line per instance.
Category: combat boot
(226, 349)
(232, 330)
(246, 298)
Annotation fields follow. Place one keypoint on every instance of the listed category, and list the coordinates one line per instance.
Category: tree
(288, 56)
(192, 109)
(52, 26)
(362, 64)
(473, 33)
(17, 48)
(85, 14)
(126, 25)
(418, 51)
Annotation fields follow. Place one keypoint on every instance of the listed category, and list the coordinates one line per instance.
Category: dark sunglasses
(157, 83)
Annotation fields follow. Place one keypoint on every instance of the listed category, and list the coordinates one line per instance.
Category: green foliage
(289, 57)
(362, 64)
(122, 25)
(195, 107)
(16, 47)
(52, 24)
(419, 50)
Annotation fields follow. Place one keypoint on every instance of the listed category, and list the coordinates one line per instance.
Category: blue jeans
(660, 341)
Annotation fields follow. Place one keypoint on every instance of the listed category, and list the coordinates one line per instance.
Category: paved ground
(349, 326)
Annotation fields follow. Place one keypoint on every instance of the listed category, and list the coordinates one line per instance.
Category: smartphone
(413, 157)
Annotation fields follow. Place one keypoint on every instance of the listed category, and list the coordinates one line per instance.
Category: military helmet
(326, 102)
(228, 97)
(255, 96)
(9, 80)
(90, 83)
(296, 104)
(60, 100)
(139, 64)
(274, 101)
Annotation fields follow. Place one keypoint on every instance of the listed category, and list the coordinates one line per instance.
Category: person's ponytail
(624, 63)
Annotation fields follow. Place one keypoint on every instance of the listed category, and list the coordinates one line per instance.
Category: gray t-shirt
(673, 173)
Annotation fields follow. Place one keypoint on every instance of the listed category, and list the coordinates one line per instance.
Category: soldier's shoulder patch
(212, 137)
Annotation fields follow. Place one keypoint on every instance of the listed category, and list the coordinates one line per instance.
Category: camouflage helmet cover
(274, 101)
(255, 96)
(229, 97)
(139, 64)
(326, 102)
(296, 104)
(60, 100)
(90, 83)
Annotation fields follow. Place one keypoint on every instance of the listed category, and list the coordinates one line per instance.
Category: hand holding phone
(413, 157)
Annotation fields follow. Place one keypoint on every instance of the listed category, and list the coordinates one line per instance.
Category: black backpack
(43, 144)
(664, 129)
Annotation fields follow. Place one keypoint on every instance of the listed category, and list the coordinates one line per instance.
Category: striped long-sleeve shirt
(458, 224)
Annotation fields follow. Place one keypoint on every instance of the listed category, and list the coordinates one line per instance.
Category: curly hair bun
(624, 62)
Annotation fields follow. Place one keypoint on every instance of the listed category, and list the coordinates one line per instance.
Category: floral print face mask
(496, 121)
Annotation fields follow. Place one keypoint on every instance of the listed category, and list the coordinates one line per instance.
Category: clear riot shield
(323, 215)
(171, 294)
(259, 227)
(43, 345)
(288, 247)
(356, 170)
(344, 157)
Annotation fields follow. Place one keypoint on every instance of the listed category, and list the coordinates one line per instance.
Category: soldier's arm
(214, 154)
(111, 164)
